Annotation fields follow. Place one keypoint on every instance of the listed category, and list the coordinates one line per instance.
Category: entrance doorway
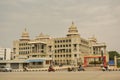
(103, 60)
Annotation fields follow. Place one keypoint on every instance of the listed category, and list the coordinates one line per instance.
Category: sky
(100, 18)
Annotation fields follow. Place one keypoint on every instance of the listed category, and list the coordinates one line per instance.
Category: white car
(5, 69)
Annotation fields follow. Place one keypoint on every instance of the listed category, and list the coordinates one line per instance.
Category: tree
(112, 54)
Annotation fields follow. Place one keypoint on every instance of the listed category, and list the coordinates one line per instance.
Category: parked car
(5, 69)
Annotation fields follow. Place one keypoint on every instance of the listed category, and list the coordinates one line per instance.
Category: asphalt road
(86, 75)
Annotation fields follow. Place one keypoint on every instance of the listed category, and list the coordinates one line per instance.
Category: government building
(45, 50)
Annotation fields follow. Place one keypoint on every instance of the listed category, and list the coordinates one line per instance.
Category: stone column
(85, 61)
(44, 63)
(115, 60)
(92, 49)
(105, 50)
(8, 64)
(20, 65)
(30, 64)
(36, 48)
(98, 50)
(39, 49)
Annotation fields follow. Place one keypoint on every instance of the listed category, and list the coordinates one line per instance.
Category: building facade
(34, 53)
(73, 48)
(45, 50)
(67, 50)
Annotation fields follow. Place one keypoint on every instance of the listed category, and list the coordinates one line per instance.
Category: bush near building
(95, 62)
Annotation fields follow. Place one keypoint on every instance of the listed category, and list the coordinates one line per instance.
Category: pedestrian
(25, 68)
(81, 68)
(103, 68)
(108, 67)
(101, 65)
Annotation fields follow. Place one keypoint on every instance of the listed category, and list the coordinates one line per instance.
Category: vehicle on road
(105, 69)
(81, 68)
(72, 69)
(5, 69)
(51, 69)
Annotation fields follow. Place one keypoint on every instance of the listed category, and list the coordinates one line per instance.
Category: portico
(30, 63)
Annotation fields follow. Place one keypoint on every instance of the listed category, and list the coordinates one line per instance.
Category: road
(86, 75)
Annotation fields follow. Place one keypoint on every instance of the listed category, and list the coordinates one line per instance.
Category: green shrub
(95, 62)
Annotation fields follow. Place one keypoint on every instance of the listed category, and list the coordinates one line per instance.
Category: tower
(25, 35)
(72, 30)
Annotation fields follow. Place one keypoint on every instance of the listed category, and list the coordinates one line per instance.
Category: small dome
(72, 30)
(25, 35)
(93, 38)
(42, 36)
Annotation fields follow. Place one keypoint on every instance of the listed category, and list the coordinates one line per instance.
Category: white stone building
(44, 50)
(5, 53)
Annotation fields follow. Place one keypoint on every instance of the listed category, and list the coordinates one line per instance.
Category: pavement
(63, 75)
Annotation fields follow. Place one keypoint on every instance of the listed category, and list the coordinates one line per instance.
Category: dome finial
(72, 23)
(72, 30)
(25, 35)
(25, 29)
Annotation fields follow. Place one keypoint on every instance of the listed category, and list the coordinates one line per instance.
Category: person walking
(108, 67)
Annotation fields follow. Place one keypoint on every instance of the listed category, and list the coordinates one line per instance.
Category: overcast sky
(53, 17)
